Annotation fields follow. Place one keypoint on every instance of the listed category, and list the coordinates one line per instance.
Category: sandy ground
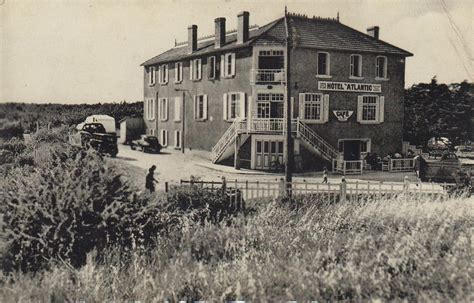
(172, 166)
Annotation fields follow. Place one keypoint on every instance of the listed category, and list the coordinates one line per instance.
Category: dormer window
(381, 67)
(323, 64)
(356, 66)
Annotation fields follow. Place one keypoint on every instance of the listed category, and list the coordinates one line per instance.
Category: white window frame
(177, 138)
(178, 72)
(195, 70)
(351, 67)
(240, 111)
(212, 69)
(379, 109)
(163, 108)
(228, 65)
(384, 76)
(150, 109)
(327, 73)
(151, 71)
(163, 74)
(177, 109)
(164, 137)
(198, 116)
(323, 107)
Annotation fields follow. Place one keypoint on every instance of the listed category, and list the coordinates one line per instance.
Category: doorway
(351, 150)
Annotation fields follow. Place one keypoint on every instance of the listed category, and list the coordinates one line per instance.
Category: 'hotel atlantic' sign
(350, 87)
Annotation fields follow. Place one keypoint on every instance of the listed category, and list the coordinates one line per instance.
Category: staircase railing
(225, 140)
(316, 141)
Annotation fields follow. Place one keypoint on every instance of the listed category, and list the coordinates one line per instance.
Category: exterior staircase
(309, 137)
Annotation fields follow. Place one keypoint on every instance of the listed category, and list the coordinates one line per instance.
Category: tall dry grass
(415, 250)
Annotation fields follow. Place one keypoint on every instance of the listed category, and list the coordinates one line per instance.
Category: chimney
(243, 27)
(220, 32)
(192, 38)
(373, 31)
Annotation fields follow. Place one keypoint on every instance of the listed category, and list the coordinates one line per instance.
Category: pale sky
(91, 51)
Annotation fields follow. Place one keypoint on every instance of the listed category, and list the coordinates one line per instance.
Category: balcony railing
(269, 76)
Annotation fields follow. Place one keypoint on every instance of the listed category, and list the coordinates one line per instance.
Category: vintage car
(448, 169)
(95, 136)
(465, 151)
(146, 143)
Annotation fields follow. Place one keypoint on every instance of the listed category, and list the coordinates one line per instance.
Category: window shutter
(232, 71)
(224, 106)
(160, 70)
(177, 109)
(166, 109)
(195, 106)
(242, 113)
(176, 138)
(301, 106)
(223, 66)
(191, 70)
(199, 72)
(166, 73)
(205, 108)
(325, 108)
(381, 109)
(359, 108)
(377, 67)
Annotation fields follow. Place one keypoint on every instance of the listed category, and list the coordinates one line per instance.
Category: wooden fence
(343, 191)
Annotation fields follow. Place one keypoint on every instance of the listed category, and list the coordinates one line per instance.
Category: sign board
(350, 87)
(343, 115)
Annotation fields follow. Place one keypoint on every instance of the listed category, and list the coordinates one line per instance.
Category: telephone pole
(289, 146)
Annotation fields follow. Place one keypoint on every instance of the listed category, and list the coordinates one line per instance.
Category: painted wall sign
(343, 115)
(350, 87)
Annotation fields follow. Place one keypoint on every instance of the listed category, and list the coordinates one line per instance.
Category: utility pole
(182, 122)
(289, 146)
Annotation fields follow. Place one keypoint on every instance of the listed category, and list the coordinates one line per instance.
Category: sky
(91, 51)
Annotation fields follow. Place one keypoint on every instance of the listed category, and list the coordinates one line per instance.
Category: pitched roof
(307, 32)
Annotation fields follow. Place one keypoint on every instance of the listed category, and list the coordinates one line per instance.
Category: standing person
(150, 179)
(325, 175)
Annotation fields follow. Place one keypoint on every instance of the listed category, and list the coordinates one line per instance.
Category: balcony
(269, 76)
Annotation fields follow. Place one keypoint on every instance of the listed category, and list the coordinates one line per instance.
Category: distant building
(347, 91)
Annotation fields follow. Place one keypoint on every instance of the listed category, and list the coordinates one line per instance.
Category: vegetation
(439, 110)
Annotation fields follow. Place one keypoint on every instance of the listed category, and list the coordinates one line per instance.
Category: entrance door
(268, 154)
(351, 150)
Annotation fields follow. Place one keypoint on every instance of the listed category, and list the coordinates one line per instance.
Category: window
(235, 106)
(323, 64)
(150, 109)
(163, 74)
(370, 109)
(212, 67)
(177, 139)
(314, 107)
(381, 67)
(164, 137)
(178, 72)
(200, 107)
(177, 109)
(195, 69)
(151, 75)
(356, 66)
(163, 108)
(228, 65)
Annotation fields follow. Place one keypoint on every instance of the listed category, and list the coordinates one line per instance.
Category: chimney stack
(192, 38)
(373, 31)
(243, 27)
(220, 32)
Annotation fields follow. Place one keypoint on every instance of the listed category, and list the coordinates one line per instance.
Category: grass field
(398, 249)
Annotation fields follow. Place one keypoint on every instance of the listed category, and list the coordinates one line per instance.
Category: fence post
(166, 187)
(343, 190)
(282, 187)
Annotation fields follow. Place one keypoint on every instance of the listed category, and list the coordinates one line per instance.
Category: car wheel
(132, 147)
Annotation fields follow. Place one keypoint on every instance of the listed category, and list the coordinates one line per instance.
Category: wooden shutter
(195, 106)
(224, 106)
(301, 105)
(232, 70)
(199, 70)
(166, 109)
(223, 66)
(177, 108)
(325, 112)
(205, 107)
(360, 100)
(166, 74)
(191, 70)
(242, 113)
(381, 109)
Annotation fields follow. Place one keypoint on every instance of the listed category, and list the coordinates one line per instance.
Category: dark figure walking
(325, 175)
(150, 179)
